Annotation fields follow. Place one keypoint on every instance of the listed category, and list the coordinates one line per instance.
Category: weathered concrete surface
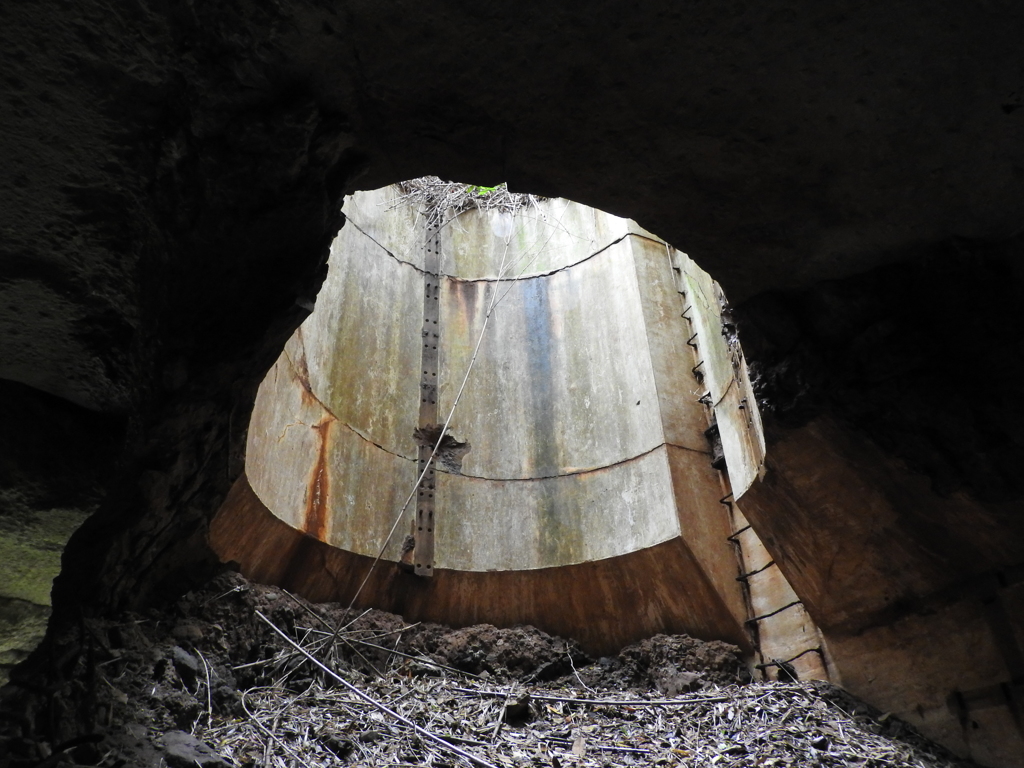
(677, 383)
(703, 521)
(945, 671)
(840, 515)
(562, 407)
(362, 345)
(396, 227)
(545, 237)
(724, 374)
(787, 633)
(321, 476)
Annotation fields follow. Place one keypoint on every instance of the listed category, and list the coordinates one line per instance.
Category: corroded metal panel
(704, 523)
(396, 228)
(363, 343)
(283, 441)
(726, 378)
(604, 604)
(679, 383)
(315, 473)
(563, 381)
(551, 235)
(526, 524)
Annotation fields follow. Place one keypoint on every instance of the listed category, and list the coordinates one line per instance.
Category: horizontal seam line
(363, 437)
(567, 474)
(456, 279)
(333, 415)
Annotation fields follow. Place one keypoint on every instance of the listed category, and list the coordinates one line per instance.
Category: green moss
(31, 543)
(22, 625)
(30, 553)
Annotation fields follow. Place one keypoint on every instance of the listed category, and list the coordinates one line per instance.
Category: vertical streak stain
(315, 521)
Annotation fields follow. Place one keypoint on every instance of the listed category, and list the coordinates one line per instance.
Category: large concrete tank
(577, 491)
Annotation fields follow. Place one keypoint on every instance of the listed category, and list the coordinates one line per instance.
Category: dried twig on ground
(373, 702)
(414, 711)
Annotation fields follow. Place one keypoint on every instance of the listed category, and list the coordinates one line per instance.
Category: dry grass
(421, 707)
(442, 201)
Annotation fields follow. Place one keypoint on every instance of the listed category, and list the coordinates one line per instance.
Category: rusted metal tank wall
(725, 376)
(330, 447)
(605, 604)
(562, 409)
(563, 381)
(583, 410)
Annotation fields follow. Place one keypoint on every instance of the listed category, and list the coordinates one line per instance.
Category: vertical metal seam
(693, 342)
(426, 505)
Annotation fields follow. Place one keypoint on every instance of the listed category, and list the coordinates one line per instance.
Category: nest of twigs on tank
(442, 201)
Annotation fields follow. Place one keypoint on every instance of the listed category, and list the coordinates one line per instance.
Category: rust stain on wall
(604, 605)
(315, 521)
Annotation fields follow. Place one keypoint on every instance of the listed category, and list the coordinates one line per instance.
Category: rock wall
(892, 500)
(48, 487)
(172, 176)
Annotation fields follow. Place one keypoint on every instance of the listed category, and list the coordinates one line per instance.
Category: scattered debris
(244, 675)
(441, 201)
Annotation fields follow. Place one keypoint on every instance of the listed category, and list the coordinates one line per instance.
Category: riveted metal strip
(423, 532)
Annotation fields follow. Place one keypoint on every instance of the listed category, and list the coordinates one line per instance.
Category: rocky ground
(225, 677)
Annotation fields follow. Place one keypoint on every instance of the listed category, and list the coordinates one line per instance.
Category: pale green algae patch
(31, 544)
(22, 625)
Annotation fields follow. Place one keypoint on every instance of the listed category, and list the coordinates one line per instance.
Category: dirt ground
(150, 685)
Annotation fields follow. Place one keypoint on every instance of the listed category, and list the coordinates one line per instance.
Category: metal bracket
(423, 528)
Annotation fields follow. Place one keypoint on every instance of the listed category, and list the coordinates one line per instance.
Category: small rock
(184, 751)
(336, 742)
(180, 706)
(679, 682)
(188, 631)
(186, 665)
(519, 712)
